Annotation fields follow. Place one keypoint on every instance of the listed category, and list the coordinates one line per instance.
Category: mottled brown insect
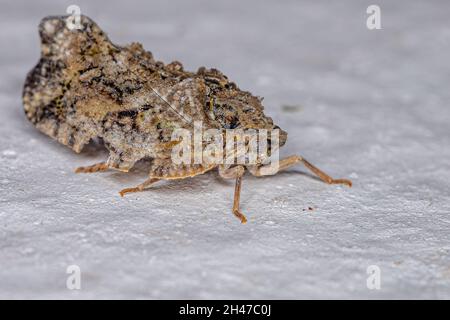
(86, 87)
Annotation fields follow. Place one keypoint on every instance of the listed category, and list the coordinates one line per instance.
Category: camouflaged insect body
(86, 87)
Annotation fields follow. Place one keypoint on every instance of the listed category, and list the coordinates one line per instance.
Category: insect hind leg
(101, 166)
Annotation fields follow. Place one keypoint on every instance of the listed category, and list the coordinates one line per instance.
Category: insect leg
(139, 187)
(102, 166)
(235, 172)
(292, 160)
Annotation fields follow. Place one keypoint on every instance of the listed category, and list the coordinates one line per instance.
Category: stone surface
(368, 105)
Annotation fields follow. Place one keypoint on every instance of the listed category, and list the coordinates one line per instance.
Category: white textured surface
(374, 107)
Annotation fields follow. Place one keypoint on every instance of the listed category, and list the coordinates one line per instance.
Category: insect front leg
(292, 160)
(140, 187)
(235, 172)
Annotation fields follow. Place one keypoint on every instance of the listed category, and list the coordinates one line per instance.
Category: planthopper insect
(186, 123)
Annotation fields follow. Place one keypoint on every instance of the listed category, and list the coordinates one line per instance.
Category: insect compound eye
(282, 135)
